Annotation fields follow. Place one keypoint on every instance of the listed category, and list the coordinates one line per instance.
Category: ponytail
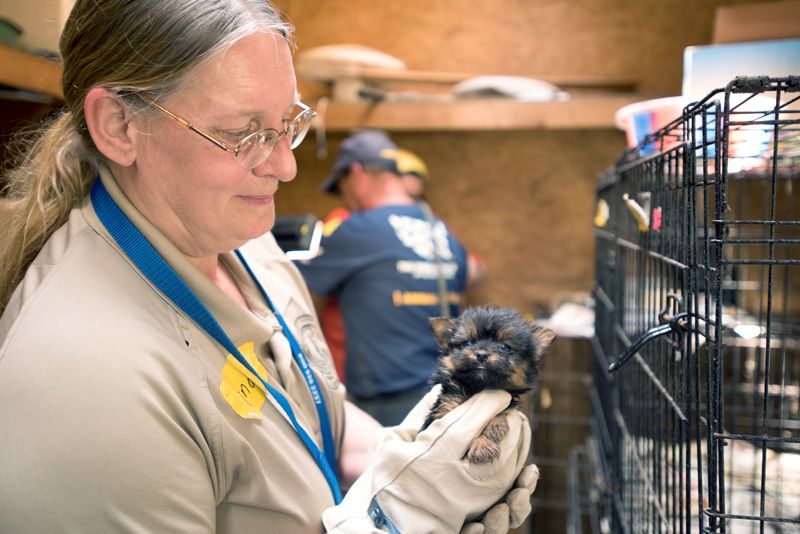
(52, 175)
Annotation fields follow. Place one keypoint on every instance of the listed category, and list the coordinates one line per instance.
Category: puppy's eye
(505, 348)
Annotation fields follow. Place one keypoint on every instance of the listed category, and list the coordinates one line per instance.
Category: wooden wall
(524, 200)
(643, 39)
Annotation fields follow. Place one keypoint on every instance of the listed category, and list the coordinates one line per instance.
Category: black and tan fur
(486, 348)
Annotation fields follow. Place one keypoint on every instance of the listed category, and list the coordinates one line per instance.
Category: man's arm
(361, 431)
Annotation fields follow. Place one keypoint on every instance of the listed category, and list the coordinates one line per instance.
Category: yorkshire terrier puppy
(486, 348)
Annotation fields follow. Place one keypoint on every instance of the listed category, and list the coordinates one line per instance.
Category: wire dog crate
(696, 392)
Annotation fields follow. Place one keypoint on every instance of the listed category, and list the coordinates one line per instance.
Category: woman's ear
(108, 120)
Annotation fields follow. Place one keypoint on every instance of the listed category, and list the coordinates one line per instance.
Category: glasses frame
(304, 111)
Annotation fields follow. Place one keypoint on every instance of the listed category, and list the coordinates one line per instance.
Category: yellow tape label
(240, 388)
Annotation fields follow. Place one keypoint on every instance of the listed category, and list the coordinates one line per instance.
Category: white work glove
(512, 511)
(421, 482)
(513, 508)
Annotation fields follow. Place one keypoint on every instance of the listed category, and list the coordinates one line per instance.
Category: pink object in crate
(641, 118)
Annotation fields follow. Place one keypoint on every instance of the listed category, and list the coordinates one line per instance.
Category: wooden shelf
(24, 70)
(484, 114)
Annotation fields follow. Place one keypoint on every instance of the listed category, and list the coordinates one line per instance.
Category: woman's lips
(257, 200)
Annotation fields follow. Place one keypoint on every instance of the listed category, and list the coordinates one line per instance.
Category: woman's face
(196, 193)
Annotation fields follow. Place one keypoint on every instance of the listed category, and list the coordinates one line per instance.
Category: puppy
(486, 348)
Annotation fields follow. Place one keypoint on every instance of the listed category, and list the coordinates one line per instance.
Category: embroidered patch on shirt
(244, 391)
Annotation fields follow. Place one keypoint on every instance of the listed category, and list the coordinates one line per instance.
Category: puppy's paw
(482, 451)
(486, 447)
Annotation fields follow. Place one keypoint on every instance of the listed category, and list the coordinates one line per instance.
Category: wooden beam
(449, 78)
(24, 70)
(478, 114)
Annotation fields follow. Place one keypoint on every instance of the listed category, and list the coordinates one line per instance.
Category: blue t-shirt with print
(381, 266)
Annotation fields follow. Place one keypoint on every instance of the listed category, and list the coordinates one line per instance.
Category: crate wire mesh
(696, 395)
(561, 418)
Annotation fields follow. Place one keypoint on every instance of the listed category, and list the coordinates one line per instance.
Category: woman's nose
(280, 163)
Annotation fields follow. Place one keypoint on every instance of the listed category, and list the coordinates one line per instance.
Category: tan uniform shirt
(111, 415)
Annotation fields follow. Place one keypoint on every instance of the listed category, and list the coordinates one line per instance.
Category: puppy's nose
(482, 355)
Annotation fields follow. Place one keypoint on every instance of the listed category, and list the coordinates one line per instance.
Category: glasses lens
(299, 128)
(255, 148)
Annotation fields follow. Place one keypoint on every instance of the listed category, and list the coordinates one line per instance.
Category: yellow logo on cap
(241, 388)
(410, 163)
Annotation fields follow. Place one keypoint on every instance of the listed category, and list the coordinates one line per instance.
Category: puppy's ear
(442, 329)
(542, 337)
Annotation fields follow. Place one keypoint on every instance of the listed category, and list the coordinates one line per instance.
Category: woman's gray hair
(128, 46)
(151, 45)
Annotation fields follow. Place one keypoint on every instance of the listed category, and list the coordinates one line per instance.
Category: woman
(154, 376)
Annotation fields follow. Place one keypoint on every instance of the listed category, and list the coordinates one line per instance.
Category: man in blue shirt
(390, 265)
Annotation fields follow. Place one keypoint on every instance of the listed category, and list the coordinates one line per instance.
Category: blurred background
(515, 176)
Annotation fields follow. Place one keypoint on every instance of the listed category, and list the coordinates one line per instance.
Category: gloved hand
(513, 508)
(422, 484)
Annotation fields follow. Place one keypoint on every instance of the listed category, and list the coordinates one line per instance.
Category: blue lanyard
(156, 269)
(302, 361)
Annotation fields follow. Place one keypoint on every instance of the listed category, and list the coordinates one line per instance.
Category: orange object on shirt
(331, 315)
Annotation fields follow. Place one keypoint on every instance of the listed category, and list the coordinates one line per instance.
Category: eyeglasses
(256, 147)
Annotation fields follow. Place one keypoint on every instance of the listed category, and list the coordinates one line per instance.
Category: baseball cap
(371, 148)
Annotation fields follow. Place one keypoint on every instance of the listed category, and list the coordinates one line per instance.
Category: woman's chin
(259, 229)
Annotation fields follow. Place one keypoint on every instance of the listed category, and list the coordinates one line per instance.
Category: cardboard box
(757, 22)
